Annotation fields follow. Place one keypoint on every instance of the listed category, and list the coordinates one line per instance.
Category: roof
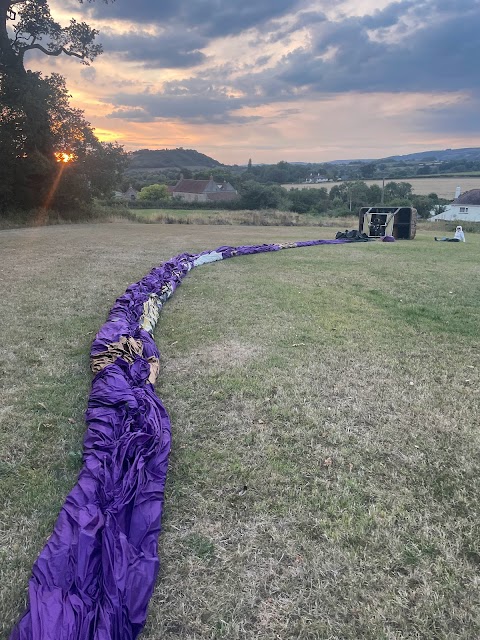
(469, 197)
(226, 186)
(191, 186)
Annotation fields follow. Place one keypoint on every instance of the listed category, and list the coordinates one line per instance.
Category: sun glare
(61, 156)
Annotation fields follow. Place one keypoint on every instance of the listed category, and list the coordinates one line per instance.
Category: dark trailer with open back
(399, 222)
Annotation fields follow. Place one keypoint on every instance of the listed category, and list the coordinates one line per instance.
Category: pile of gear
(353, 236)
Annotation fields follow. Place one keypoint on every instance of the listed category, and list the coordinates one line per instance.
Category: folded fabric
(94, 578)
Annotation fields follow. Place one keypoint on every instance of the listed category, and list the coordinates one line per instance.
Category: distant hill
(446, 155)
(468, 153)
(357, 160)
(171, 158)
(191, 159)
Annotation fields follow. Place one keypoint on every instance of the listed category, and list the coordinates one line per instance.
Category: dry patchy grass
(324, 474)
(258, 218)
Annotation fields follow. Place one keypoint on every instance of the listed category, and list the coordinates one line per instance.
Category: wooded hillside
(163, 158)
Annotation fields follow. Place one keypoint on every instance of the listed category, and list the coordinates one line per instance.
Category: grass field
(324, 477)
(444, 187)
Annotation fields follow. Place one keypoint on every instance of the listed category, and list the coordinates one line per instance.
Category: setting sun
(61, 156)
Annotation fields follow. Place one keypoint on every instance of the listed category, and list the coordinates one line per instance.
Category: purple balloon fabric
(95, 576)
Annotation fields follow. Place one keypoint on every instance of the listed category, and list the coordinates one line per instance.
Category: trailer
(377, 222)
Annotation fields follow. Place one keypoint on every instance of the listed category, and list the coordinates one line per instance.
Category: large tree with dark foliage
(27, 25)
(36, 120)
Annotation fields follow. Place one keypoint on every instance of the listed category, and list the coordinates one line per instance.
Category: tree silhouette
(31, 130)
(27, 25)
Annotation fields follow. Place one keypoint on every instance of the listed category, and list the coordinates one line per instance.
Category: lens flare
(63, 159)
(61, 156)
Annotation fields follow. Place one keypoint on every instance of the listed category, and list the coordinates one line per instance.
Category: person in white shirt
(458, 237)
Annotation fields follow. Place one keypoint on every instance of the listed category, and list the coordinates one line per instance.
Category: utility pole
(383, 190)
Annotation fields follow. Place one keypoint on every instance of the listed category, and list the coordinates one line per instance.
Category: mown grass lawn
(324, 477)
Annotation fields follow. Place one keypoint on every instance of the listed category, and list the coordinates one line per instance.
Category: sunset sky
(271, 80)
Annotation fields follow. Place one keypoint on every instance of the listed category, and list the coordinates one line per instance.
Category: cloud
(194, 101)
(459, 117)
(235, 63)
(171, 48)
(428, 47)
(392, 50)
(89, 74)
(136, 114)
(212, 18)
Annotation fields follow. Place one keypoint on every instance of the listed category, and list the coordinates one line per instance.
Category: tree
(358, 195)
(367, 170)
(154, 192)
(339, 192)
(86, 166)
(258, 196)
(33, 25)
(424, 170)
(35, 29)
(427, 206)
(355, 194)
(36, 119)
(374, 194)
(397, 190)
(308, 200)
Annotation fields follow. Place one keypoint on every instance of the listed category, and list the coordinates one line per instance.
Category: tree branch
(55, 52)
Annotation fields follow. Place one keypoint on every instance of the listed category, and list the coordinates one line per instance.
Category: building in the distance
(203, 190)
(465, 207)
(315, 179)
(130, 194)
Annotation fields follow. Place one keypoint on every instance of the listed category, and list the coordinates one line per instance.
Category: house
(130, 194)
(203, 190)
(315, 179)
(465, 207)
